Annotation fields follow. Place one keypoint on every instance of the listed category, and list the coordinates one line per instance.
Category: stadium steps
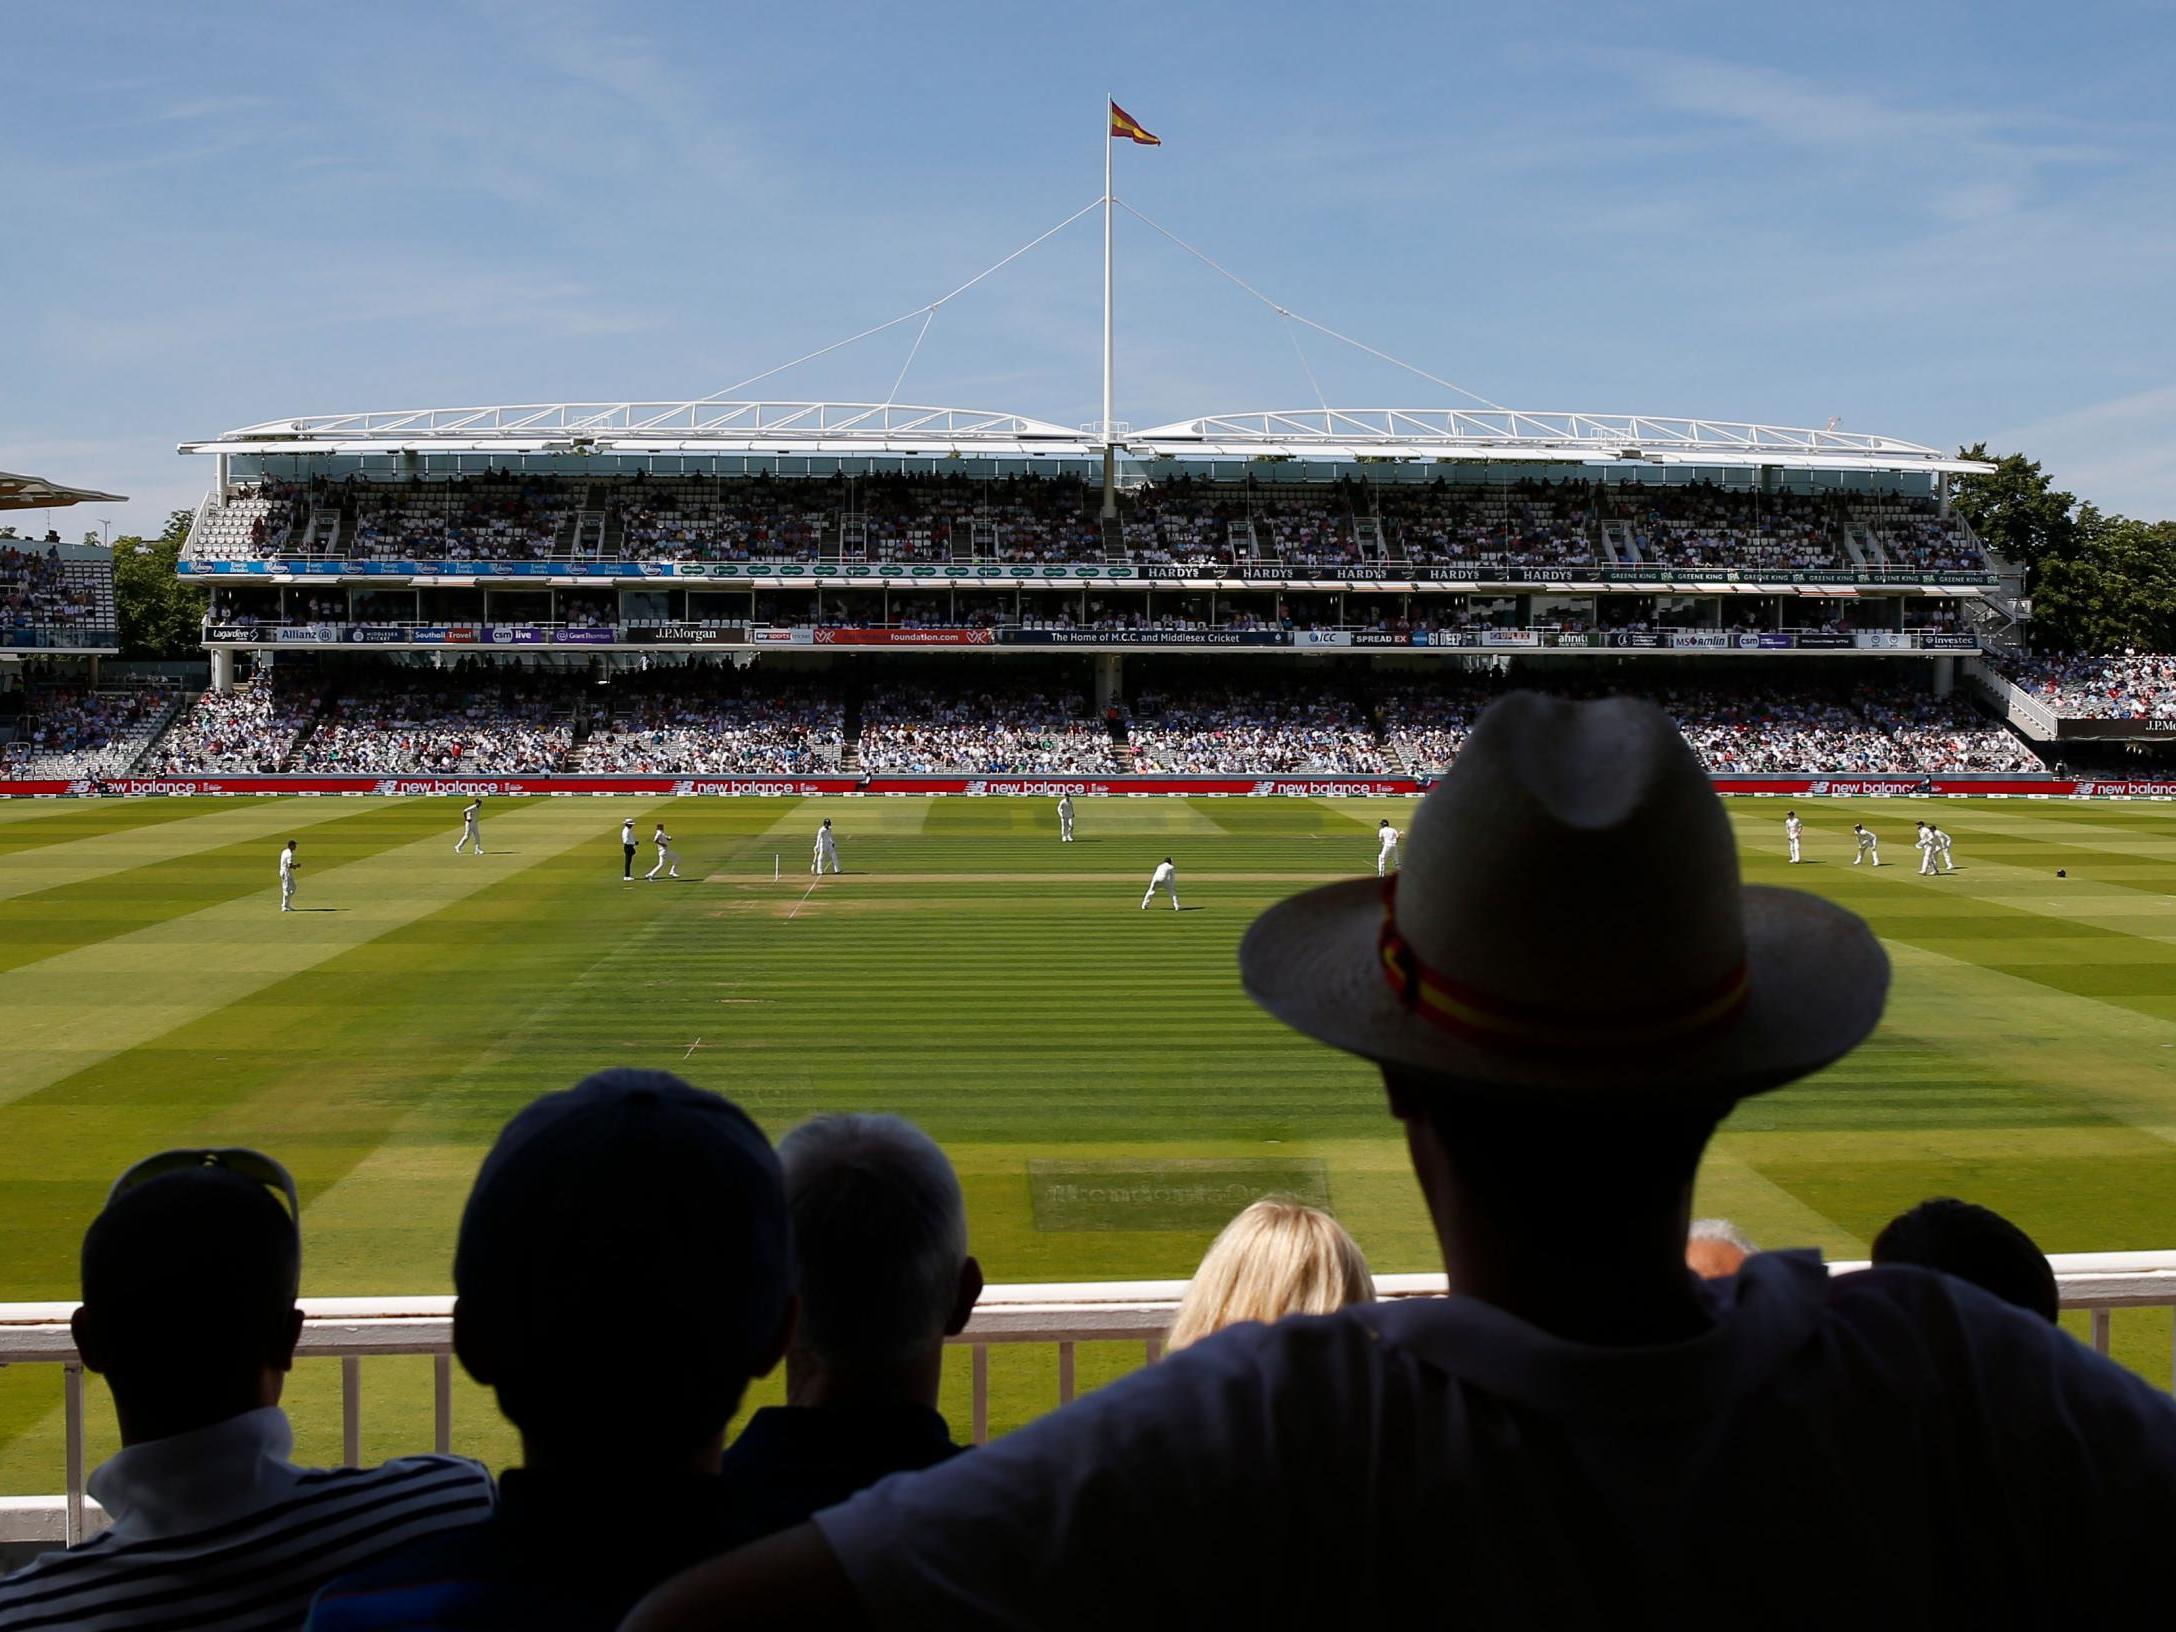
(1605, 542)
(178, 708)
(1855, 551)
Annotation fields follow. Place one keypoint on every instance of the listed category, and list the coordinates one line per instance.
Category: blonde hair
(1275, 1259)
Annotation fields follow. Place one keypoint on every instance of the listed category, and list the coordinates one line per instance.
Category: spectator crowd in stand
(1266, 728)
(1055, 520)
(75, 731)
(513, 722)
(46, 600)
(249, 730)
(1600, 1423)
(698, 719)
(708, 722)
(2132, 686)
(985, 726)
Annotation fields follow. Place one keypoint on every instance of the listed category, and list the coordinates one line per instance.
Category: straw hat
(1569, 924)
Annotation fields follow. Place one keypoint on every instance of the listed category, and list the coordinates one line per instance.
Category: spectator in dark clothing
(880, 1244)
(189, 1281)
(1974, 1244)
(639, 1205)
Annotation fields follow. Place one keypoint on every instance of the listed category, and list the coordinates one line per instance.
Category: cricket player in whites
(1065, 818)
(1940, 845)
(1166, 877)
(827, 849)
(627, 851)
(1869, 846)
(1924, 843)
(469, 835)
(667, 856)
(288, 864)
(1792, 828)
(1386, 856)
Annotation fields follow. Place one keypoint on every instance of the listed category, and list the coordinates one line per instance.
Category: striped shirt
(216, 1531)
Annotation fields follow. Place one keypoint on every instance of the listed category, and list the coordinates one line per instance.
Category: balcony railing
(1064, 1315)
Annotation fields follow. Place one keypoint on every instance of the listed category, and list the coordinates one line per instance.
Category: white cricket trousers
(665, 859)
(469, 835)
(1170, 884)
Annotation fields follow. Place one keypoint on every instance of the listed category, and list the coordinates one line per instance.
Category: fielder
(1166, 877)
(827, 849)
(1386, 856)
(1065, 818)
(288, 864)
(1941, 843)
(469, 835)
(1792, 828)
(627, 851)
(667, 856)
(1924, 843)
(1869, 846)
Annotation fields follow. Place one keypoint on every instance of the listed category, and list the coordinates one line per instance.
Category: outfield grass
(1002, 990)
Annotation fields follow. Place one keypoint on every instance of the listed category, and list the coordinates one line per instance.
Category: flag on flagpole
(1124, 124)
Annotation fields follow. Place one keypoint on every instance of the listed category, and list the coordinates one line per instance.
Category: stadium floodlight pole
(1110, 453)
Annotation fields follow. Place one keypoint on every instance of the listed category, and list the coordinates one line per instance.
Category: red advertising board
(1035, 785)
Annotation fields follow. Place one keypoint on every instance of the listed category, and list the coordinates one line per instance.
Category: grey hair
(879, 1236)
(1721, 1229)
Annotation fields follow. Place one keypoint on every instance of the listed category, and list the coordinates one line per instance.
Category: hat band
(1469, 1012)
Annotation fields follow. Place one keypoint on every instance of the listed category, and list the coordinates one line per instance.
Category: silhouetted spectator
(884, 1276)
(189, 1282)
(1566, 988)
(1974, 1244)
(1276, 1258)
(636, 1207)
(1715, 1247)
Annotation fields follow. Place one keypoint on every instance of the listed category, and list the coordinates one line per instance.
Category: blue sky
(1939, 222)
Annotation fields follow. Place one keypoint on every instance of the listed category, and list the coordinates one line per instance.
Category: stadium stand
(2132, 686)
(697, 721)
(1033, 717)
(1284, 726)
(1885, 728)
(1051, 520)
(249, 729)
(983, 726)
(511, 722)
(54, 596)
(74, 731)
(1909, 533)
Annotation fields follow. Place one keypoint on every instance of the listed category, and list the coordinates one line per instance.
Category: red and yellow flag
(1124, 124)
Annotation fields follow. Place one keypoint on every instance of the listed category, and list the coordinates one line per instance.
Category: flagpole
(1110, 453)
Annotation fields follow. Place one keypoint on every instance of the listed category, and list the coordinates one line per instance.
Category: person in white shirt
(1386, 853)
(469, 835)
(1925, 844)
(1792, 828)
(1065, 818)
(827, 849)
(288, 864)
(1941, 845)
(214, 1527)
(667, 856)
(1869, 846)
(627, 851)
(1583, 1433)
(1166, 877)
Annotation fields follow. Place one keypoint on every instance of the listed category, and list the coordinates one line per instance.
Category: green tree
(2111, 589)
(161, 615)
(2017, 509)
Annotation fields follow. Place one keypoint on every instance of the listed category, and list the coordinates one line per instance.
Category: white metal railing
(1065, 1314)
(2020, 707)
